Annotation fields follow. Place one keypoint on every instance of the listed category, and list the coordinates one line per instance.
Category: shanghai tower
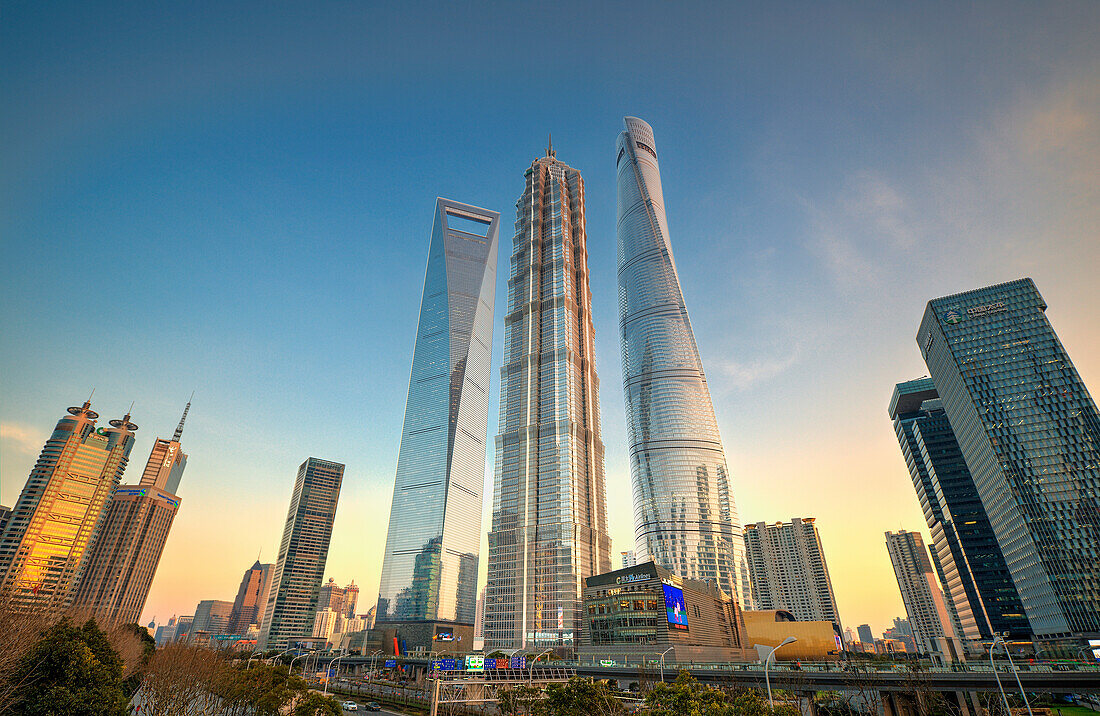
(685, 518)
(549, 529)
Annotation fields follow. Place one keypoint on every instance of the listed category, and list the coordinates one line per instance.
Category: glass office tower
(296, 583)
(45, 545)
(685, 518)
(1030, 434)
(972, 569)
(549, 502)
(429, 570)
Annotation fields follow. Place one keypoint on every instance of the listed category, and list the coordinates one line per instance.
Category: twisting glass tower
(549, 527)
(428, 589)
(685, 518)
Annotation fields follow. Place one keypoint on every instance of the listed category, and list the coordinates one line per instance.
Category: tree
(517, 701)
(71, 670)
(314, 704)
(687, 697)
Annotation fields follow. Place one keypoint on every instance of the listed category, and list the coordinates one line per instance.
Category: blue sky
(236, 199)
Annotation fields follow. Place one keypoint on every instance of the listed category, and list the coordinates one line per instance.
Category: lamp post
(663, 662)
(531, 666)
(250, 658)
(999, 638)
(291, 669)
(330, 668)
(373, 655)
(770, 656)
(277, 656)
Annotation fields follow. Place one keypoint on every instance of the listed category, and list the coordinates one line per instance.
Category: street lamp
(277, 656)
(771, 654)
(250, 658)
(291, 669)
(999, 638)
(663, 662)
(531, 666)
(330, 668)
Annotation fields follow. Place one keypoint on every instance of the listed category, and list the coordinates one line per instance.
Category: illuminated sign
(445, 635)
(630, 578)
(475, 662)
(675, 607)
(952, 316)
(607, 662)
(390, 663)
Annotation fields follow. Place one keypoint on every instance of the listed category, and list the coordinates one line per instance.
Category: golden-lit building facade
(124, 557)
(816, 640)
(44, 547)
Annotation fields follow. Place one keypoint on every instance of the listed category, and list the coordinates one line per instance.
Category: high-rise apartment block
(788, 570)
(685, 518)
(251, 600)
(929, 617)
(973, 572)
(549, 528)
(5, 515)
(1030, 435)
(627, 558)
(428, 587)
(44, 547)
(124, 557)
(865, 635)
(295, 586)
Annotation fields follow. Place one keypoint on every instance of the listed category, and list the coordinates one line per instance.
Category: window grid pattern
(685, 517)
(1030, 433)
(549, 528)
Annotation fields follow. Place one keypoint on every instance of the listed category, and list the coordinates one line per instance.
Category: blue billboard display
(675, 607)
(517, 662)
(390, 663)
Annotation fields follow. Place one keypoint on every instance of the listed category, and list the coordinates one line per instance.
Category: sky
(236, 200)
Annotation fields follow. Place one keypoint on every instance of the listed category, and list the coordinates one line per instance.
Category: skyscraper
(865, 635)
(248, 607)
(123, 558)
(549, 527)
(1030, 434)
(628, 558)
(44, 547)
(212, 617)
(292, 598)
(929, 618)
(788, 570)
(428, 588)
(973, 570)
(685, 517)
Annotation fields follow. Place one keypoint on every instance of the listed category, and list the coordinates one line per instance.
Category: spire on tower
(550, 145)
(179, 428)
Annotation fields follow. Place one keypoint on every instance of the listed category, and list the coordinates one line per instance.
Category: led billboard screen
(675, 607)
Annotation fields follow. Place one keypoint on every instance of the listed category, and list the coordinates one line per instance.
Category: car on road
(350, 706)
(371, 706)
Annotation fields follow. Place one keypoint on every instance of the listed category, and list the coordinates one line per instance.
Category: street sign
(518, 662)
(390, 663)
(607, 662)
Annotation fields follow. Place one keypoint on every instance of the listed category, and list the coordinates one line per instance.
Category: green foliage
(687, 697)
(517, 701)
(71, 670)
(578, 697)
(314, 704)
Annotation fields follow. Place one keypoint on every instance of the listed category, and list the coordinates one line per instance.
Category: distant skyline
(216, 199)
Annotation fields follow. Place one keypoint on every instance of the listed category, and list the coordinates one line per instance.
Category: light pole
(373, 655)
(277, 656)
(250, 658)
(771, 654)
(329, 675)
(291, 669)
(531, 666)
(999, 638)
(663, 662)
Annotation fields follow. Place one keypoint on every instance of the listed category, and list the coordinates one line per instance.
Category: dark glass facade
(975, 576)
(1030, 435)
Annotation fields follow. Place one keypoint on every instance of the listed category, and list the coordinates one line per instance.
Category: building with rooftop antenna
(549, 530)
(44, 548)
(125, 554)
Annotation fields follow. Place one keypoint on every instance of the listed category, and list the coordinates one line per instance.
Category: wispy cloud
(744, 375)
(21, 438)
